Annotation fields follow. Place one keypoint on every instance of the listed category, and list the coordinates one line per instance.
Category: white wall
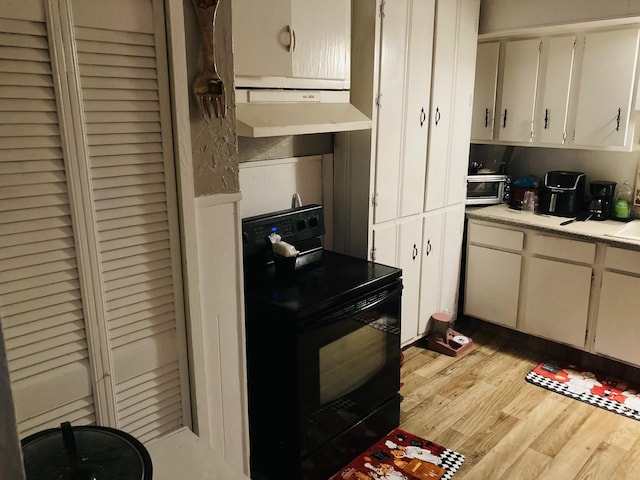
(524, 161)
(269, 185)
(496, 15)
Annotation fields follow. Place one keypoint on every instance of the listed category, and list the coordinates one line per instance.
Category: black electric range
(323, 349)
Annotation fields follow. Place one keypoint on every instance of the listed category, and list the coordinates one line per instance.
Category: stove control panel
(294, 226)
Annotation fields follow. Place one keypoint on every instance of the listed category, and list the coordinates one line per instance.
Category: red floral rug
(594, 388)
(401, 455)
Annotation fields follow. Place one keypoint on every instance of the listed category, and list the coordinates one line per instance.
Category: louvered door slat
(31, 118)
(153, 223)
(20, 263)
(130, 116)
(135, 169)
(129, 190)
(77, 413)
(127, 216)
(22, 191)
(9, 218)
(72, 318)
(115, 278)
(121, 83)
(112, 267)
(129, 328)
(53, 288)
(43, 334)
(110, 128)
(24, 79)
(135, 404)
(52, 310)
(21, 66)
(41, 269)
(24, 238)
(107, 38)
(38, 281)
(39, 290)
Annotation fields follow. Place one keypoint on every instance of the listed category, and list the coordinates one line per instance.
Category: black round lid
(85, 453)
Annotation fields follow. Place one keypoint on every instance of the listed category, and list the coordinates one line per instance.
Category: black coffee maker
(601, 201)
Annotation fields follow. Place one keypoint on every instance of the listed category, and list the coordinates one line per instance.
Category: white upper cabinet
(441, 103)
(417, 106)
(571, 86)
(484, 98)
(403, 99)
(606, 90)
(304, 42)
(456, 38)
(391, 109)
(519, 82)
(557, 69)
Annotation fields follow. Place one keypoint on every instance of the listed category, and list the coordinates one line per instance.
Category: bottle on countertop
(622, 208)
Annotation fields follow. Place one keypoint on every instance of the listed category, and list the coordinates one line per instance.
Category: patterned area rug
(402, 456)
(591, 387)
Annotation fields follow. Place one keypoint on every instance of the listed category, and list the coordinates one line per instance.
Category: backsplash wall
(523, 161)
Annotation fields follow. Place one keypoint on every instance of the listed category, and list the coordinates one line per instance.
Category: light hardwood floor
(481, 406)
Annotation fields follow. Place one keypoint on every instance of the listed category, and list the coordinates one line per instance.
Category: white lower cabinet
(557, 289)
(440, 268)
(549, 286)
(492, 285)
(494, 263)
(556, 300)
(400, 246)
(617, 333)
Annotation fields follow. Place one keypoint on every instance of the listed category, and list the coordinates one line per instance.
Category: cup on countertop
(530, 202)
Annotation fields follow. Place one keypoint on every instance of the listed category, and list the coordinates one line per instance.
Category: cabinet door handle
(292, 39)
(437, 115)
(504, 120)
(618, 120)
(486, 118)
(428, 247)
(423, 116)
(415, 252)
(546, 119)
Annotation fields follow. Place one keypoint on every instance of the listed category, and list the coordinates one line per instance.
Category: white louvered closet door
(122, 303)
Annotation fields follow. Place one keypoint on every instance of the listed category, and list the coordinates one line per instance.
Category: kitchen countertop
(591, 230)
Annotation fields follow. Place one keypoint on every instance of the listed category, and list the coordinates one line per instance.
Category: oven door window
(349, 363)
(479, 190)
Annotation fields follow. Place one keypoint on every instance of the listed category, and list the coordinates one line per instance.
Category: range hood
(269, 113)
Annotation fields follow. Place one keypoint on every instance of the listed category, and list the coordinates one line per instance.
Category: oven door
(349, 363)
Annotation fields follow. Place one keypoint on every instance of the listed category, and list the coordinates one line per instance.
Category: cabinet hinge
(584, 42)
(378, 100)
(372, 254)
(374, 200)
(382, 8)
(540, 47)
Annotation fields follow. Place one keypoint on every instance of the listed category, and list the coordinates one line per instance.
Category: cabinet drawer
(563, 249)
(621, 259)
(496, 237)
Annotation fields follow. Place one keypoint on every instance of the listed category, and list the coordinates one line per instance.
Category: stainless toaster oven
(488, 189)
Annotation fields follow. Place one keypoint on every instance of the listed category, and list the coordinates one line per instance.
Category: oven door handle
(390, 292)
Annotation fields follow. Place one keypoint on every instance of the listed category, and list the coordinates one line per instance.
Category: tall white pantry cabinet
(400, 187)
